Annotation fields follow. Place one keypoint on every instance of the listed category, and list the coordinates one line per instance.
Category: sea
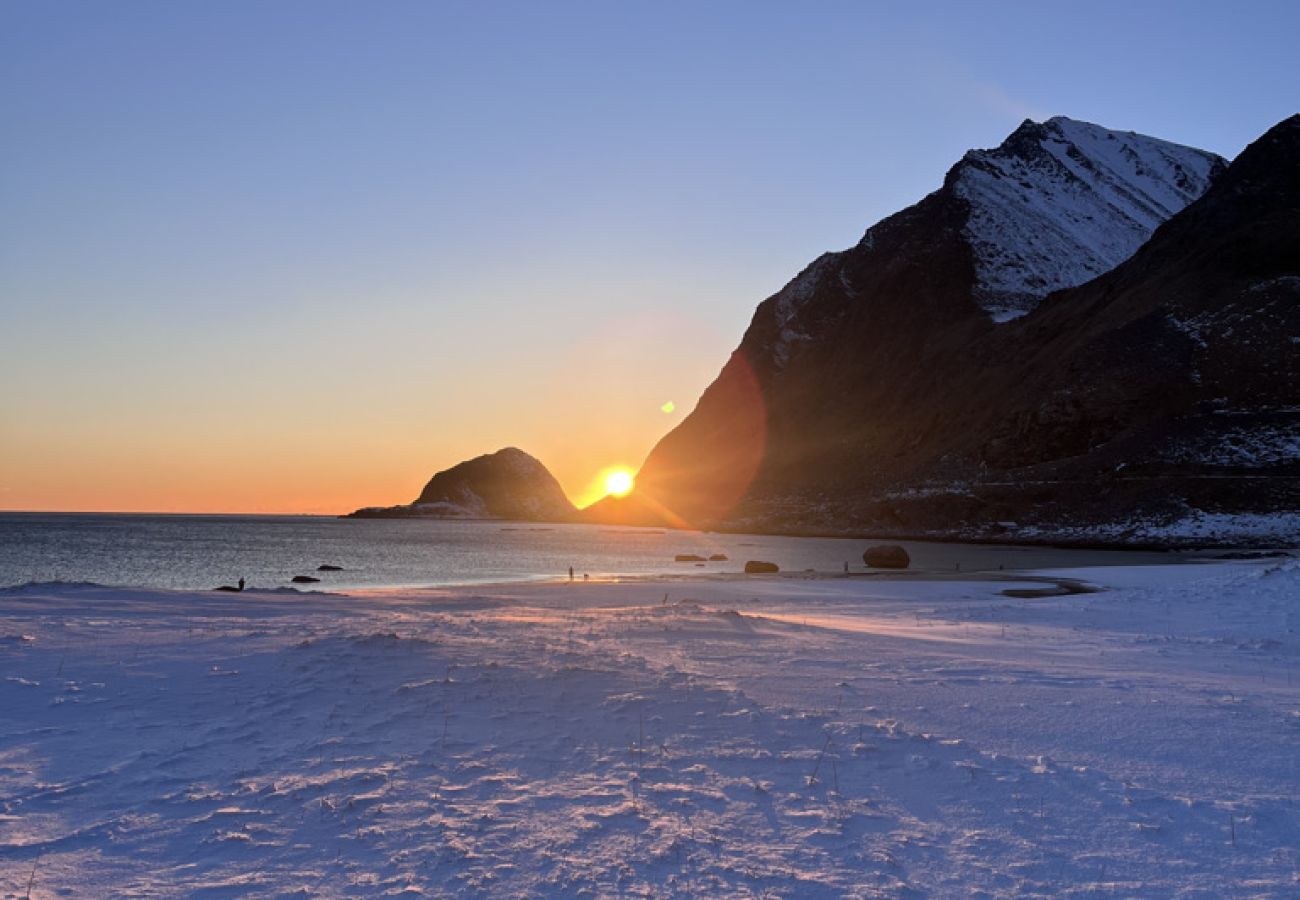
(197, 552)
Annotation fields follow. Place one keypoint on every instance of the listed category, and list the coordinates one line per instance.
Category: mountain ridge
(853, 380)
(1086, 195)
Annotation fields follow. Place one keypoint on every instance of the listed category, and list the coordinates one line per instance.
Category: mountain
(1160, 401)
(1062, 202)
(925, 383)
(508, 484)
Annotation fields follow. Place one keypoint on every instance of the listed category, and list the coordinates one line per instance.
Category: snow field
(760, 737)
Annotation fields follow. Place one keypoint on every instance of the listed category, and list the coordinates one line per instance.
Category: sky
(298, 256)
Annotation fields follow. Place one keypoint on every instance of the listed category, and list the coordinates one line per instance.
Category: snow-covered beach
(782, 736)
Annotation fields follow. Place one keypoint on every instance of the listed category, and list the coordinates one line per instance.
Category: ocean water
(197, 552)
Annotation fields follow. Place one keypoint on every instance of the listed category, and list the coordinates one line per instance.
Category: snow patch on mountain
(1191, 525)
(1282, 282)
(790, 299)
(1257, 446)
(1061, 202)
(447, 510)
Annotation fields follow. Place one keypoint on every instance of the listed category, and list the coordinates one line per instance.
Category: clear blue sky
(339, 245)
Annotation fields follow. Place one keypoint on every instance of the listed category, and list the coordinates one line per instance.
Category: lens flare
(669, 406)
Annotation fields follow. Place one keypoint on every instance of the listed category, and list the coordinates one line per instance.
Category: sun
(618, 482)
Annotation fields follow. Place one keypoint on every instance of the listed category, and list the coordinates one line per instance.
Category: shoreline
(201, 553)
(1040, 575)
(663, 578)
(1170, 544)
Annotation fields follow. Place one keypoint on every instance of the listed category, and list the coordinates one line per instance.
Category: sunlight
(612, 481)
(618, 482)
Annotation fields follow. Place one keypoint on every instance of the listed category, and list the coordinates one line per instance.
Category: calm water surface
(203, 551)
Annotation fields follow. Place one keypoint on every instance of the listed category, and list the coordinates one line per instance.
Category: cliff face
(920, 383)
(508, 484)
(1160, 399)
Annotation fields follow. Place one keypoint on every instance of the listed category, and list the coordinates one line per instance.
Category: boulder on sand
(688, 557)
(326, 567)
(758, 567)
(718, 557)
(887, 556)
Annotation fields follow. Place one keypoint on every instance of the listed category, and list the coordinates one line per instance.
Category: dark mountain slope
(1168, 388)
(875, 392)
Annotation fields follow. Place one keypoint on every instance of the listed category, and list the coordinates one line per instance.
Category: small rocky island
(508, 484)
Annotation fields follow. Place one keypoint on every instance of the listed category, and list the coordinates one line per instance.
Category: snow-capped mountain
(1062, 202)
(1056, 204)
(917, 383)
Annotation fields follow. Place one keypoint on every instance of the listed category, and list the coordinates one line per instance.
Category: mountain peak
(872, 394)
(1062, 201)
(1269, 164)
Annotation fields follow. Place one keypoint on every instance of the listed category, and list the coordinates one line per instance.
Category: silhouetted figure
(241, 584)
(570, 574)
(230, 588)
(586, 577)
(846, 568)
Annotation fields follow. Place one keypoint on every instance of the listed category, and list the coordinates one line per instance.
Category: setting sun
(618, 482)
(611, 481)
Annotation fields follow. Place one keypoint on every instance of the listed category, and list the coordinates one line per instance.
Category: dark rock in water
(304, 579)
(758, 567)
(228, 588)
(508, 484)
(718, 557)
(688, 557)
(328, 568)
(887, 556)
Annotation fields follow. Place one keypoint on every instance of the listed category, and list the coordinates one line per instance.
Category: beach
(726, 736)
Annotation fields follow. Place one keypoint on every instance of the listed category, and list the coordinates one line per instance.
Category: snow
(808, 736)
(1189, 526)
(1252, 315)
(791, 299)
(1281, 282)
(1259, 446)
(1279, 527)
(1051, 212)
(1077, 203)
(470, 507)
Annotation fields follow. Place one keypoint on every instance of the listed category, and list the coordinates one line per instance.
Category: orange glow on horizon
(175, 429)
(617, 481)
